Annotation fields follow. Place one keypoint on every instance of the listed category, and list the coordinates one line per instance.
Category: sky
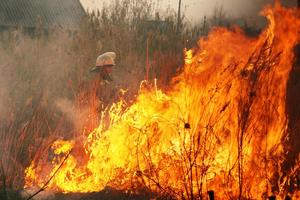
(195, 10)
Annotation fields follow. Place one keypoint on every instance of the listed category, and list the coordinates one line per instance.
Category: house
(30, 14)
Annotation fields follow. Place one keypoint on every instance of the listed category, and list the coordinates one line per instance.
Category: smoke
(68, 108)
(246, 9)
(74, 116)
(195, 10)
(34, 77)
(31, 68)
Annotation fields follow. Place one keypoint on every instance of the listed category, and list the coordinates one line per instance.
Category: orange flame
(218, 128)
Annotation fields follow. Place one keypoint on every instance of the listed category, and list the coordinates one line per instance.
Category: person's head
(105, 62)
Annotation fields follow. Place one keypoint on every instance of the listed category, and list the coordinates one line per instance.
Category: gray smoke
(195, 10)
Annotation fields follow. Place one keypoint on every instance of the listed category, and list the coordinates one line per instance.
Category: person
(104, 67)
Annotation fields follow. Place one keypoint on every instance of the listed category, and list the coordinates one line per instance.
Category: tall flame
(218, 128)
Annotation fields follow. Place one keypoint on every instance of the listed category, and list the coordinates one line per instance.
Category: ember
(219, 128)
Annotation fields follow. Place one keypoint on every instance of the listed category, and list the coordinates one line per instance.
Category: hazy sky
(196, 9)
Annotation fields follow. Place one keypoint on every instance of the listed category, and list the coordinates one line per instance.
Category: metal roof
(49, 13)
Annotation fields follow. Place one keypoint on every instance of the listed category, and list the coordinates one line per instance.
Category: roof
(30, 13)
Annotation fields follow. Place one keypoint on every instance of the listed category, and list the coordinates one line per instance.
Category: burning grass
(218, 127)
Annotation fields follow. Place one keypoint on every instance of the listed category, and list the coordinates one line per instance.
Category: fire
(218, 128)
